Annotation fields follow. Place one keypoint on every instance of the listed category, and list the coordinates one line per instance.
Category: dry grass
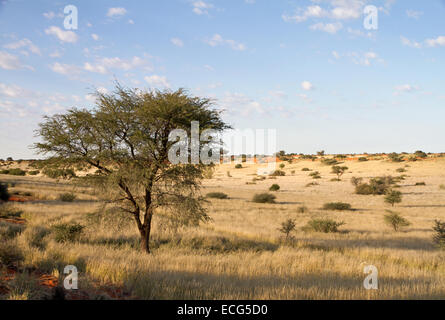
(239, 254)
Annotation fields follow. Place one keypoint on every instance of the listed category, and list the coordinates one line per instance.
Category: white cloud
(201, 7)
(209, 68)
(177, 42)
(336, 55)
(439, 41)
(238, 103)
(413, 14)
(116, 12)
(157, 81)
(306, 85)
(409, 43)
(64, 36)
(303, 15)
(405, 88)
(104, 64)
(49, 15)
(365, 59)
(11, 91)
(9, 61)
(65, 69)
(130, 21)
(95, 37)
(218, 40)
(328, 27)
(24, 43)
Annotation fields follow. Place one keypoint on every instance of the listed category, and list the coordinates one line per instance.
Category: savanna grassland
(240, 253)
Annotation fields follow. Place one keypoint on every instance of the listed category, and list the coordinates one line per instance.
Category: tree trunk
(146, 230)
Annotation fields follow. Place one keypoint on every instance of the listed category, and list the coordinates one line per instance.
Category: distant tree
(396, 221)
(339, 170)
(9, 159)
(420, 154)
(320, 153)
(393, 197)
(287, 227)
(126, 138)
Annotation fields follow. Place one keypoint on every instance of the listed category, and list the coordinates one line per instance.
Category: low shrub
(302, 209)
(17, 172)
(282, 165)
(33, 172)
(34, 236)
(239, 166)
(278, 173)
(395, 221)
(356, 181)
(67, 232)
(10, 254)
(312, 184)
(305, 169)
(340, 206)
(67, 197)
(376, 186)
(9, 230)
(401, 170)
(287, 227)
(274, 187)
(393, 197)
(439, 233)
(264, 198)
(363, 159)
(8, 211)
(59, 173)
(323, 225)
(420, 184)
(217, 195)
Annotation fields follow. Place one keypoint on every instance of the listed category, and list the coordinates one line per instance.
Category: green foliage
(420, 184)
(439, 233)
(264, 198)
(329, 162)
(376, 186)
(287, 227)
(67, 197)
(401, 170)
(394, 157)
(363, 159)
(305, 169)
(278, 173)
(395, 220)
(339, 170)
(4, 194)
(420, 154)
(67, 232)
(282, 165)
(356, 181)
(14, 172)
(59, 173)
(323, 225)
(239, 166)
(274, 187)
(217, 195)
(33, 172)
(393, 197)
(340, 206)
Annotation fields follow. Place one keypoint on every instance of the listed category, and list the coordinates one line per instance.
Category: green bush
(305, 169)
(337, 206)
(264, 198)
(394, 220)
(239, 166)
(329, 162)
(33, 172)
(439, 233)
(356, 181)
(278, 173)
(34, 236)
(363, 159)
(376, 186)
(10, 254)
(4, 171)
(323, 225)
(393, 197)
(420, 184)
(287, 227)
(67, 232)
(302, 209)
(274, 187)
(4, 194)
(67, 197)
(217, 195)
(9, 230)
(17, 172)
(59, 173)
(8, 211)
(282, 165)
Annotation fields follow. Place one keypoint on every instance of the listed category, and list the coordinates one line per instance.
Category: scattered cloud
(95, 37)
(201, 7)
(328, 27)
(64, 36)
(65, 69)
(49, 15)
(413, 14)
(103, 65)
(177, 42)
(116, 12)
(157, 81)
(11, 62)
(218, 40)
(410, 43)
(307, 86)
(24, 43)
(405, 88)
(439, 41)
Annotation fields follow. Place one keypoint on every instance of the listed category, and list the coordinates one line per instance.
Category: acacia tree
(339, 171)
(126, 138)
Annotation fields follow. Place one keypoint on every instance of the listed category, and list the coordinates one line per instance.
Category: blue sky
(308, 69)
